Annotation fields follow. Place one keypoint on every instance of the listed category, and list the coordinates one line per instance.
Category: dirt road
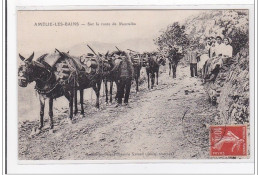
(169, 122)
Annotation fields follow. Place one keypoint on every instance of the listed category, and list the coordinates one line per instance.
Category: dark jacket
(124, 68)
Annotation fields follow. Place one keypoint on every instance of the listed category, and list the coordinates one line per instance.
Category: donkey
(137, 61)
(152, 68)
(174, 57)
(47, 84)
(87, 80)
(111, 76)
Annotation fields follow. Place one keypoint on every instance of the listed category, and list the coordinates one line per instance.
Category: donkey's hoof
(69, 121)
(51, 131)
(51, 126)
(82, 115)
(32, 134)
(97, 109)
(35, 131)
(108, 103)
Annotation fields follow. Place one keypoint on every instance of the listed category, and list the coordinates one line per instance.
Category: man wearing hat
(192, 59)
(125, 76)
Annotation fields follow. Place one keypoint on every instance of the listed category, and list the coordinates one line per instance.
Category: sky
(148, 24)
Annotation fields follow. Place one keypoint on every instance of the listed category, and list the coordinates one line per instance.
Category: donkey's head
(179, 52)
(114, 57)
(161, 60)
(25, 71)
(144, 59)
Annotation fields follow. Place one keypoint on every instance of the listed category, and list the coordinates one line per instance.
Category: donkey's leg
(117, 90)
(76, 101)
(136, 82)
(81, 102)
(97, 91)
(106, 90)
(157, 75)
(42, 104)
(69, 97)
(71, 103)
(152, 79)
(170, 67)
(137, 78)
(111, 90)
(173, 71)
(148, 76)
(51, 112)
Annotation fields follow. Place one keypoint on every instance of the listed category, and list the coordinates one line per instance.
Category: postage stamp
(228, 140)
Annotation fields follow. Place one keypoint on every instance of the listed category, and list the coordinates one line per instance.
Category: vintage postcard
(147, 84)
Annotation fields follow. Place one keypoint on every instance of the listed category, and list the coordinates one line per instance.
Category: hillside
(229, 23)
(231, 87)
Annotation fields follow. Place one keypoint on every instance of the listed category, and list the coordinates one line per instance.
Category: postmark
(228, 140)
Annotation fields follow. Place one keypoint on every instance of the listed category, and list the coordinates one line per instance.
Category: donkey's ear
(31, 57)
(21, 57)
(107, 53)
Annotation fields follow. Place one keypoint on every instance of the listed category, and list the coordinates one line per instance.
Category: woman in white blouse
(227, 50)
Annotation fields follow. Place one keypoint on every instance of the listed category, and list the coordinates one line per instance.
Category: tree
(174, 36)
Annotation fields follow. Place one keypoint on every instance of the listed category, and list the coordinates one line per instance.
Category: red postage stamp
(228, 140)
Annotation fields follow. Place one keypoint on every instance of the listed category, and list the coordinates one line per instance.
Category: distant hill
(139, 45)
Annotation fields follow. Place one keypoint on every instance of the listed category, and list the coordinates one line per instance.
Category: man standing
(126, 74)
(192, 59)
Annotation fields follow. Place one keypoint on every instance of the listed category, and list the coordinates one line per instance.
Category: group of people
(217, 52)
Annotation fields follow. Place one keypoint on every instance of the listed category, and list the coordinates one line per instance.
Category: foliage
(225, 23)
(211, 23)
(232, 84)
(173, 36)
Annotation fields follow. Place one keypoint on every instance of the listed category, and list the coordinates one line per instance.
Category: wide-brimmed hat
(89, 55)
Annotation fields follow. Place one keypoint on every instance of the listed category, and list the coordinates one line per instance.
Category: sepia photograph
(136, 84)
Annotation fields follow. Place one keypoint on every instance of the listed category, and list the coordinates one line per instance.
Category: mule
(87, 80)
(174, 57)
(137, 61)
(47, 84)
(152, 68)
(110, 77)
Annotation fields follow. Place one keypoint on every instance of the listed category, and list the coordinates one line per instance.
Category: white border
(129, 2)
(180, 166)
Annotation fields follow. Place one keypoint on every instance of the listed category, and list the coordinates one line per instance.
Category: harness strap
(41, 91)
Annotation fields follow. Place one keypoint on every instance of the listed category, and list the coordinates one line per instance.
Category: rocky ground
(169, 122)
